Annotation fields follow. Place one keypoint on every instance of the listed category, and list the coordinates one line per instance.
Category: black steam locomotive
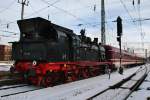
(42, 40)
(48, 54)
(45, 48)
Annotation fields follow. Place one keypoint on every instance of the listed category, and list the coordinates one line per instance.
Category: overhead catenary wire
(8, 7)
(110, 21)
(65, 11)
(133, 20)
(11, 22)
(140, 23)
(109, 28)
(94, 24)
(85, 6)
(44, 8)
(93, 8)
(8, 36)
(38, 11)
(14, 33)
(144, 19)
(133, 3)
(31, 7)
(35, 12)
(127, 12)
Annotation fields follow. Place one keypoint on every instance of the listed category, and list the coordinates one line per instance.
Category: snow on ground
(114, 94)
(5, 66)
(6, 63)
(121, 93)
(16, 90)
(144, 92)
(79, 90)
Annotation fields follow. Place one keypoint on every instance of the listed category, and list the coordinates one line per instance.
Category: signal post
(119, 35)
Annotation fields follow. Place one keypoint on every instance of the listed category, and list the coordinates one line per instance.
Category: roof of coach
(114, 49)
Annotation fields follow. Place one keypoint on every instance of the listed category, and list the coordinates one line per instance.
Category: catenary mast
(23, 3)
(103, 37)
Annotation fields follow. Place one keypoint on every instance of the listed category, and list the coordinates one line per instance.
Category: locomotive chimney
(82, 32)
(95, 40)
(83, 37)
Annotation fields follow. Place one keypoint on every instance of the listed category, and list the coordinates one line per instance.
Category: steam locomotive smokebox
(29, 51)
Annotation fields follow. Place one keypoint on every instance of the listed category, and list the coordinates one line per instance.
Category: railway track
(13, 86)
(10, 81)
(16, 89)
(8, 78)
(123, 89)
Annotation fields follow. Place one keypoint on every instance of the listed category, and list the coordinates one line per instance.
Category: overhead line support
(23, 3)
(103, 37)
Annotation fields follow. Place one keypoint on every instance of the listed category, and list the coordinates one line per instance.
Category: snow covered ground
(79, 90)
(16, 90)
(5, 66)
(6, 63)
(121, 93)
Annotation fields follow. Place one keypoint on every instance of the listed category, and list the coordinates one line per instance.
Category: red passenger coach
(128, 59)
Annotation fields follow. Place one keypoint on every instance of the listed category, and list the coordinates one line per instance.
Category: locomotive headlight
(34, 63)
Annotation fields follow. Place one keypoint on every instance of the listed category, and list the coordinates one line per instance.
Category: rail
(123, 81)
(137, 84)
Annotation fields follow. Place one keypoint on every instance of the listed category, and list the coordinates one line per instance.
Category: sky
(78, 14)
